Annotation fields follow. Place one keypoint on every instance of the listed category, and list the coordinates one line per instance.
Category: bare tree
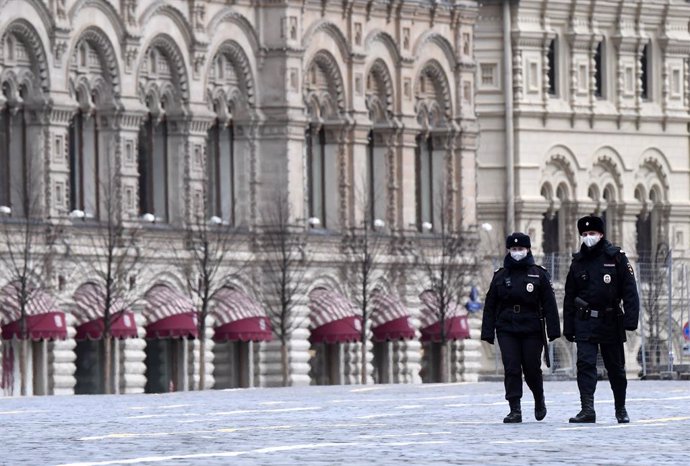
(29, 244)
(363, 246)
(284, 262)
(208, 267)
(441, 254)
(113, 257)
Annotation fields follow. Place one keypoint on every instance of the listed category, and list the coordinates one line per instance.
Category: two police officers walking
(520, 309)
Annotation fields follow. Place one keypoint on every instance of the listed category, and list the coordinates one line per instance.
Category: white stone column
(61, 363)
(222, 365)
(472, 351)
(186, 369)
(116, 369)
(249, 376)
(407, 361)
(298, 345)
(195, 370)
(133, 372)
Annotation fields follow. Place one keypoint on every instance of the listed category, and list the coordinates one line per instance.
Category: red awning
(390, 320)
(249, 329)
(169, 314)
(46, 326)
(332, 318)
(397, 329)
(343, 330)
(239, 317)
(123, 326)
(457, 328)
(176, 326)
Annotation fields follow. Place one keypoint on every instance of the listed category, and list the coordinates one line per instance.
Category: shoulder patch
(630, 269)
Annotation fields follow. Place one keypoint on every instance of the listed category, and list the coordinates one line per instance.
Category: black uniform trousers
(614, 360)
(521, 352)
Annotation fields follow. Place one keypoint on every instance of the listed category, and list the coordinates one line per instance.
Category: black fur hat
(518, 239)
(590, 223)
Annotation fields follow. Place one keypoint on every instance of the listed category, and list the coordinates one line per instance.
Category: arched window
(19, 188)
(5, 120)
(153, 166)
(379, 97)
(84, 162)
(371, 179)
(316, 172)
(643, 240)
(221, 171)
(424, 177)
(554, 229)
(608, 213)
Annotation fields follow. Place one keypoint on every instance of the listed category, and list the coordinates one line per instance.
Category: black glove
(488, 340)
(569, 337)
(554, 338)
(631, 328)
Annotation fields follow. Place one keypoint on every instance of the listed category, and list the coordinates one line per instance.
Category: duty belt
(595, 314)
(517, 309)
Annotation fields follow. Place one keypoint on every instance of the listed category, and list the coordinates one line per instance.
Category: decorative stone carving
(130, 13)
(199, 17)
(131, 52)
(59, 50)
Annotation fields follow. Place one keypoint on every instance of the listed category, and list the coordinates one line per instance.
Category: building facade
(584, 108)
(128, 110)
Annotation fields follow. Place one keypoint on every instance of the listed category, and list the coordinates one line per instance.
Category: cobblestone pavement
(389, 424)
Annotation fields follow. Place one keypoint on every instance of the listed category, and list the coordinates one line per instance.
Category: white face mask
(518, 255)
(591, 240)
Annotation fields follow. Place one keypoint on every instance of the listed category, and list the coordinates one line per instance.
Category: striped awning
(239, 317)
(90, 314)
(455, 319)
(90, 301)
(169, 314)
(38, 302)
(390, 320)
(332, 318)
(44, 321)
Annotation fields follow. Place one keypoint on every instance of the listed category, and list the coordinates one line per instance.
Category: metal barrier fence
(661, 344)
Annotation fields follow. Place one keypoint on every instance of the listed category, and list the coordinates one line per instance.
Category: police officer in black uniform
(600, 277)
(519, 295)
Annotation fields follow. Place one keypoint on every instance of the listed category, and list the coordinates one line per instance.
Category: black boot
(586, 414)
(621, 412)
(515, 414)
(622, 415)
(539, 407)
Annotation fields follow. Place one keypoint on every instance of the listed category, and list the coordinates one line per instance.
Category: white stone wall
(576, 153)
(408, 71)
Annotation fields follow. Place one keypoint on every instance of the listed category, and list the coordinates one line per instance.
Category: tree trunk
(107, 365)
(363, 369)
(284, 363)
(23, 347)
(202, 362)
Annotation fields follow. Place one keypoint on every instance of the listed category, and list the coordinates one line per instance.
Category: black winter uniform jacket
(601, 276)
(518, 291)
